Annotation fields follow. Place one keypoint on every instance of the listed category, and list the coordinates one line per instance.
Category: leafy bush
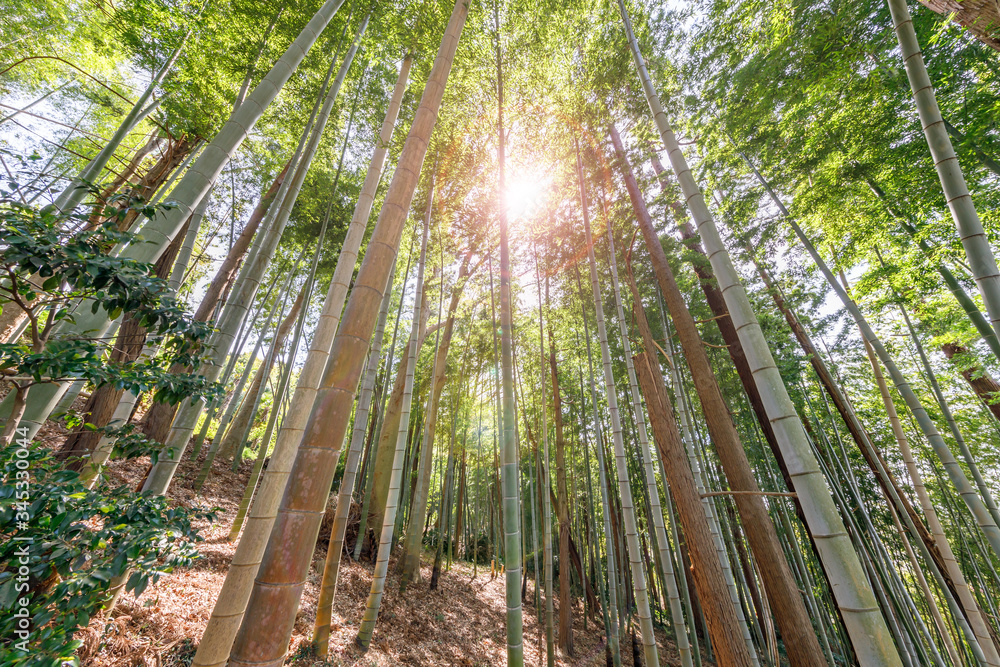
(55, 263)
(62, 545)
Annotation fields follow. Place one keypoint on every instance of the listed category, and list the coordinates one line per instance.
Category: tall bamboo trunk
(621, 466)
(263, 637)
(970, 609)
(511, 501)
(345, 496)
(716, 302)
(956, 193)
(544, 485)
(383, 458)
(461, 500)
(612, 599)
(609, 630)
(331, 569)
(123, 411)
(213, 650)
(374, 602)
(189, 413)
(865, 623)
(562, 508)
(81, 443)
(411, 555)
(444, 501)
(157, 421)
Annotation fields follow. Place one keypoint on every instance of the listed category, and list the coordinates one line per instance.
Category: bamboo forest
(499, 332)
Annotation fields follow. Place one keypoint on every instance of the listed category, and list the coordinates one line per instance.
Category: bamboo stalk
(374, 602)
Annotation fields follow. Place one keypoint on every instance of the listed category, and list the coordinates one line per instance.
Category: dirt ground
(462, 623)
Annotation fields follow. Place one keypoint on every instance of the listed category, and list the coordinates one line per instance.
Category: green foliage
(50, 266)
(63, 545)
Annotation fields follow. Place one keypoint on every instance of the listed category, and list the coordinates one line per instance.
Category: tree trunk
(444, 505)
(562, 509)
(335, 546)
(411, 556)
(863, 619)
(717, 606)
(508, 452)
(249, 281)
(131, 168)
(270, 615)
(545, 483)
(460, 501)
(985, 386)
(157, 174)
(612, 599)
(81, 443)
(224, 622)
(374, 602)
(977, 623)
(956, 194)
(621, 466)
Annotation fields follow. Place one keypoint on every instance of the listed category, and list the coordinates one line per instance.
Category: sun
(525, 192)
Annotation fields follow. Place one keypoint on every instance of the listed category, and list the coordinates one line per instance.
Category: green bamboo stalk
(544, 485)
(282, 387)
(220, 432)
(374, 602)
(624, 489)
(413, 544)
(161, 475)
(213, 650)
(270, 614)
(860, 611)
(240, 343)
(444, 502)
(102, 452)
(655, 510)
(956, 193)
(689, 436)
(508, 452)
(956, 432)
(611, 608)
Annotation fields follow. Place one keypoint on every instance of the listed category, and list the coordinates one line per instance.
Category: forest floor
(462, 623)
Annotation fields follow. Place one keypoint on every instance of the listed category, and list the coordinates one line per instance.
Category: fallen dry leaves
(462, 623)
